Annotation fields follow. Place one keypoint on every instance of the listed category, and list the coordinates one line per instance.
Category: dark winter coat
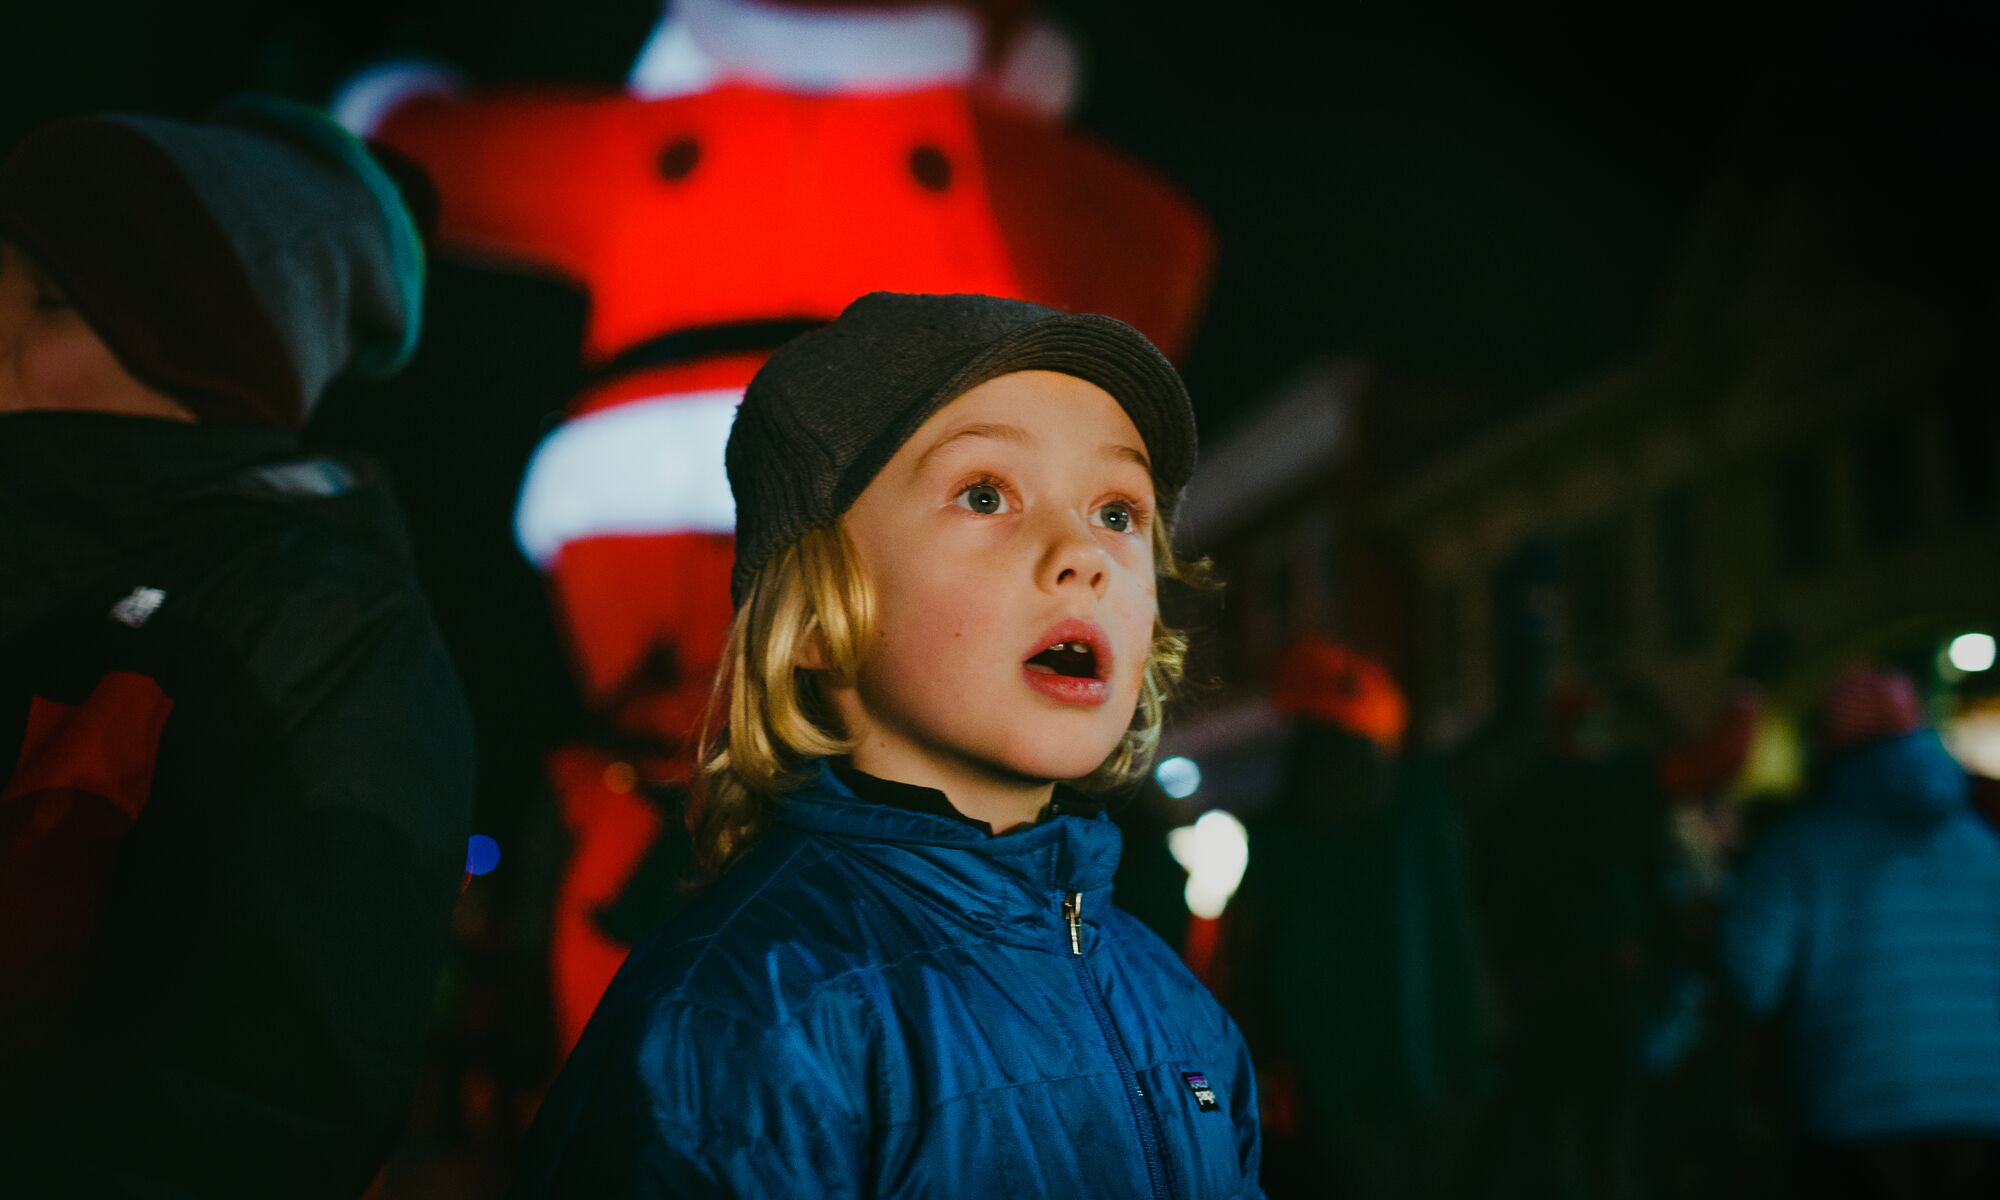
(1870, 925)
(884, 1002)
(1351, 943)
(232, 824)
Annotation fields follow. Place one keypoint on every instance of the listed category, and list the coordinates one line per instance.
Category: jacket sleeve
(259, 1026)
(1759, 942)
(705, 1104)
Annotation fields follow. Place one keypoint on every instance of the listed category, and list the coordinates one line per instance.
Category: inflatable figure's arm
(512, 167)
(512, 171)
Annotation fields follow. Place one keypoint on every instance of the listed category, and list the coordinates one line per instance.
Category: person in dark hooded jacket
(1868, 927)
(235, 763)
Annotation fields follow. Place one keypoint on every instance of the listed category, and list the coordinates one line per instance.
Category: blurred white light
(1972, 652)
(1214, 852)
(1974, 739)
(1178, 777)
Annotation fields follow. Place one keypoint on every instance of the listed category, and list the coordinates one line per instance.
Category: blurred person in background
(1351, 963)
(238, 762)
(1867, 931)
(1727, 779)
(1570, 863)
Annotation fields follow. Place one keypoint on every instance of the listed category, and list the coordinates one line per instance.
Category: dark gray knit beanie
(829, 409)
(238, 264)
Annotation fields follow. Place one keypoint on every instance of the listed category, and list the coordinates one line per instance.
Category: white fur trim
(366, 99)
(670, 64)
(803, 49)
(1043, 72)
(648, 466)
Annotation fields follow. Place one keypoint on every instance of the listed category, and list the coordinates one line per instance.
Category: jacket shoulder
(760, 946)
(346, 538)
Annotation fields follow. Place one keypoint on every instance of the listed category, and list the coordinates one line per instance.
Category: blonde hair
(774, 718)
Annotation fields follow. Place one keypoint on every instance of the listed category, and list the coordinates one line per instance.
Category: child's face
(51, 359)
(1019, 515)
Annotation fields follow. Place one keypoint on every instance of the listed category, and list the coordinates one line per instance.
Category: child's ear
(812, 654)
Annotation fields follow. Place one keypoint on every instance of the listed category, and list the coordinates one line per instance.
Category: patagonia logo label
(1204, 1096)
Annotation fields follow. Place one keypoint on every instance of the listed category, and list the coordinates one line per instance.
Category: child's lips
(1067, 689)
(1075, 630)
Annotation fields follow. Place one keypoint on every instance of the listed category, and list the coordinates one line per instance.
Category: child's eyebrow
(1125, 453)
(1000, 432)
(1116, 451)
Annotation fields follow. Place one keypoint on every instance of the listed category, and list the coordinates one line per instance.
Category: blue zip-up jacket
(882, 1002)
(1870, 925)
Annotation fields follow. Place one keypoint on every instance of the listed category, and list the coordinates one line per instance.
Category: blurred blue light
(1178, 777)
(482, 854)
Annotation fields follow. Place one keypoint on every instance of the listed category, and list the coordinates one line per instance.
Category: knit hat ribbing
(829, 409)
(239, 264)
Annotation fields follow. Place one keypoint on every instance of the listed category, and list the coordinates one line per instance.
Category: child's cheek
(1135, 645)
(936, 637)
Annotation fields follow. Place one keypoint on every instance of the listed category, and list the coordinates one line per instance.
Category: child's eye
(984, 498)
(1120, 516)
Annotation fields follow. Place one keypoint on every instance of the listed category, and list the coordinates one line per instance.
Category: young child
(952, 514)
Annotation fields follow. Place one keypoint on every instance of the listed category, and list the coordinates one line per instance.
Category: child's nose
(1073, 558)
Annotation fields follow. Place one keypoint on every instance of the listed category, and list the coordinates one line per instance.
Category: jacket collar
(123, 459)
(87, 499)
(1009, 888)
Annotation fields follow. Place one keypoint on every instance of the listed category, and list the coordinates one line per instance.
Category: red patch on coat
(83, 776)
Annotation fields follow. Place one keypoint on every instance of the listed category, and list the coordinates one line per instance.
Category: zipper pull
(1072, 909)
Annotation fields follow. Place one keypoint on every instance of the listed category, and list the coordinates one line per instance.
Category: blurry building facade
(1805, 452)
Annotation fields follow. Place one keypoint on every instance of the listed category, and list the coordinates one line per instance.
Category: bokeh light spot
(482, 854)
(1178, 777)
(1971, 652)
(1214, 851)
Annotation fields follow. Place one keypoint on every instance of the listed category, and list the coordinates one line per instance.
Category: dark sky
(1491, 201)
(1482, 198)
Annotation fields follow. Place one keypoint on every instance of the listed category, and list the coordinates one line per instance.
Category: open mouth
(1071, 663)
(1076, 660)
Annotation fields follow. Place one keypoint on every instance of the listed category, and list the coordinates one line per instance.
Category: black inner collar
(1064, 802)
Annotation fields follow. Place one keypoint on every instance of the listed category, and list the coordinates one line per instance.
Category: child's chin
(1062, 766)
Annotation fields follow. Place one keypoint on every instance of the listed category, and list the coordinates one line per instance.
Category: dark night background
(1487, 197)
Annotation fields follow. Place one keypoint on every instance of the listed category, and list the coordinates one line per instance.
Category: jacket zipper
(1135, 1096)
